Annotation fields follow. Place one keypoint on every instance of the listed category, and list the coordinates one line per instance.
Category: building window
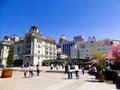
(98, 49)
(28, 39)
(18, 49)
(38, 51)
(98, 45)
(50, 49)
(39, 41)
(50, 53)
(53, 53)
(78, 54)
(38, 46)
(38, 57)
(46, 48)
(8, 48)
(46, 52)
(92, 42)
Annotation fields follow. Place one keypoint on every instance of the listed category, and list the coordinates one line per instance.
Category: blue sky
(99, 18)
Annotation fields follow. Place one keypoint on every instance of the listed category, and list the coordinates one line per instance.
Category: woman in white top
(76, 71)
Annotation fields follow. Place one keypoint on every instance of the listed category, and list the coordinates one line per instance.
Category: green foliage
(101, 65)
(10, 56)
(98, 55)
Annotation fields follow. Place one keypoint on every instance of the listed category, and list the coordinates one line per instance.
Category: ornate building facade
(34, 48)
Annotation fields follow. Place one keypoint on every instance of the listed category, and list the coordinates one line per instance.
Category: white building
(34, 48)
(4, 49)
(85, 49)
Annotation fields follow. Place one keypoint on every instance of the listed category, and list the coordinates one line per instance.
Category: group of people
(70, 70)
(57, 66)
(30, 70)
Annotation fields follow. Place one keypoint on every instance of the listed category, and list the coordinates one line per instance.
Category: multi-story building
(85, 49)
(65, 46)
(5, 47)
(34, 48)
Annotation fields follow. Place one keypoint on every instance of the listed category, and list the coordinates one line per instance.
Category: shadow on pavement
(118, 86)
(91, 80)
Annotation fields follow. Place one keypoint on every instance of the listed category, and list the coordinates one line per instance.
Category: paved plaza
(53, 81)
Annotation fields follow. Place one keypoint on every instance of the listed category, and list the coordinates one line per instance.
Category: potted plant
(100, 66)
(101, 70)
(7, 72)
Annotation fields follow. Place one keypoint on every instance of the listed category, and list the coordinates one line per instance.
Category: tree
(116, 55)
(98, 55)
(116, 52)
(10, 56)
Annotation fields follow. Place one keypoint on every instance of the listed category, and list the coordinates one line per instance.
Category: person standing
(31, 71)
(51, 66)
(66, 68)
(83, 71)
(69, 71)
(76, 71)
(38, 69)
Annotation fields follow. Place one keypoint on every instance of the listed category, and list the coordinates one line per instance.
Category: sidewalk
(52, 81)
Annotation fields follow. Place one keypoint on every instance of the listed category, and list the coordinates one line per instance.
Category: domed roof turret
(62, 39)
(34, 29)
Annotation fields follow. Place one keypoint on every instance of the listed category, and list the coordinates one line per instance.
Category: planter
(7, 73)
(101, 79)
(97, 75)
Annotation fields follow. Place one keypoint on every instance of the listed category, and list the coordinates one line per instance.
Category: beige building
(85, 49)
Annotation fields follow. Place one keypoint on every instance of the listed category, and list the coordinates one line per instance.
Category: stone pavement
(52, 81)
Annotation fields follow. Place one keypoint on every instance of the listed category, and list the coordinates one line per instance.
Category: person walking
(51, 66)
(38, 69)
(76, 71)
(31, 71)
(83, 71)
(69, 71)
